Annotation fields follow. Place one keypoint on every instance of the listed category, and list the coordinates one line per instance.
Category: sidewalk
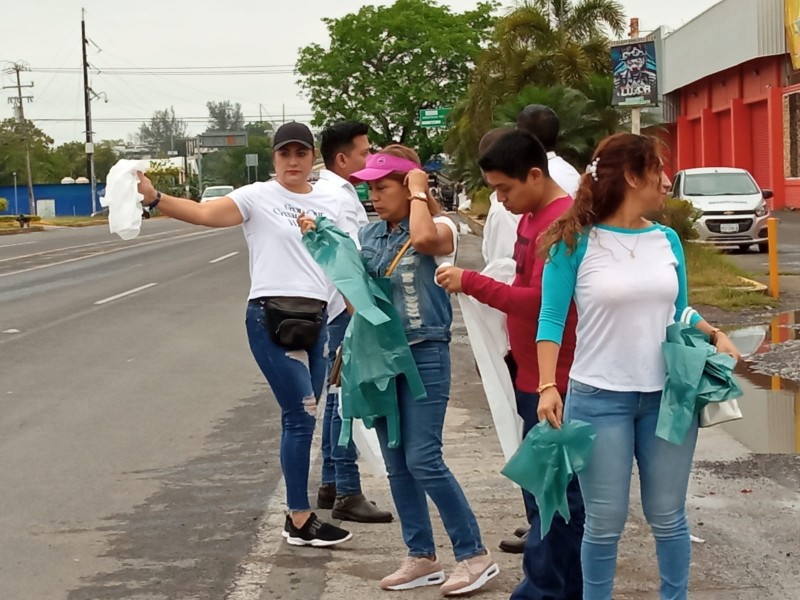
(751, 550)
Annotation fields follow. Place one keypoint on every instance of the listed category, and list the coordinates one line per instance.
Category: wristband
(155, 202)
(545, 386)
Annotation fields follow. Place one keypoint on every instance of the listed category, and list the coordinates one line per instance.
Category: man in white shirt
(542, 122)
(344, 148)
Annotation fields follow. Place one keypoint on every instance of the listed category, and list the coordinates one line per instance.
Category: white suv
(734, 209)
(216, 191)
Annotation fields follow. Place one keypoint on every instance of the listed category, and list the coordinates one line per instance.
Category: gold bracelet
(545, 386)
(713, 335)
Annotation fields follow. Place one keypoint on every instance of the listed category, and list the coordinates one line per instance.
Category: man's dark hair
(541, 121)
(491, 137)
(514, 155)
(339, 138)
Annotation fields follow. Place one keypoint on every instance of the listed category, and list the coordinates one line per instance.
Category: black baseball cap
(293, 133)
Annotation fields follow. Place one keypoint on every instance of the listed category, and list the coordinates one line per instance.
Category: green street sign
(433, 117)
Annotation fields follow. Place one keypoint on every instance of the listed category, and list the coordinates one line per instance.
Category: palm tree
(540, 42)
(581, 127)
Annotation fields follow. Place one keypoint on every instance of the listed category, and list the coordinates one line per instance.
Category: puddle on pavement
(771, 404)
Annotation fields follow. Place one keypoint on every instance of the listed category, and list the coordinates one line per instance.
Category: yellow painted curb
(752, 286)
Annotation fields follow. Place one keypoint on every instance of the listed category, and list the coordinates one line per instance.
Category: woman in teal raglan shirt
(628, 279)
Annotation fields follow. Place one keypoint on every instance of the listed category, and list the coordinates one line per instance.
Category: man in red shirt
(516, 167)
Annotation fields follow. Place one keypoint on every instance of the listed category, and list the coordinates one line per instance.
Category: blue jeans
(551, 566)
(338, 462)
(297, 378)
(417, 467)
(625, 423)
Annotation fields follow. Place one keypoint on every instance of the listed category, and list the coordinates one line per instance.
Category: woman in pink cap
(408, 212)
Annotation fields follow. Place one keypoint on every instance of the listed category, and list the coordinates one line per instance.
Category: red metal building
(727, 77)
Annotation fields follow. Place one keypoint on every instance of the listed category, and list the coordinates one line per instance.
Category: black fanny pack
(294, 323)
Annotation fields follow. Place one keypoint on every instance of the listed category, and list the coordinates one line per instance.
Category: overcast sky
(196, 33)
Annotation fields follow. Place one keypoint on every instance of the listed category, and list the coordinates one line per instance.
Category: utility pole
(87, 102)
(636, 113)
(17, 102)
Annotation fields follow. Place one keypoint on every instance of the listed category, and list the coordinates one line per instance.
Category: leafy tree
(580, 125)
(69, 160)
(105, 157)
(3, 205)
(384, 64)
(165, 177)
(164, 131)
(542, 43)
(12, 153)
(228, 166)
(225, 116)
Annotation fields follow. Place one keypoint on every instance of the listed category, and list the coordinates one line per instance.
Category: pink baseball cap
(380, 165)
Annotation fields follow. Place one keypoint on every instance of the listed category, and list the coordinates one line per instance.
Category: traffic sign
(223, 139)
(251, 160)
(434, 117)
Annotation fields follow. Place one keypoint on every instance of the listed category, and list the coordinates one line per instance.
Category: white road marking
(123, 294)
(105, 242)
(221, 258)
(70, 260)
(17, 244)
(11, 331)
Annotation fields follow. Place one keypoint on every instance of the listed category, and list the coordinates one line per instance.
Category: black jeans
(552, 566)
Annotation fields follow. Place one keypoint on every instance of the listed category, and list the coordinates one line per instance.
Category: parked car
(215, 191)
(734, 209)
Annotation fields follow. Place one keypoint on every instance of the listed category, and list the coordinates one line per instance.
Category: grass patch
(713, 279)
(83, 221)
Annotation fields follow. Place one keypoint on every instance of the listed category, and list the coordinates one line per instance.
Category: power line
(175, 71)
(250, 118)
(174, 68)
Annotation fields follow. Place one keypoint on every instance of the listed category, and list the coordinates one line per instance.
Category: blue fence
(70, 199)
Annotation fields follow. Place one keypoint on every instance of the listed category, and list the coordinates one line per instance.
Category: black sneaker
(315, 533)
(286, 526)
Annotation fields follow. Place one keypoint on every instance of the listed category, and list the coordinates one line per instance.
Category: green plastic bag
(375, 350)
(547, 461)
(338, 256)
(696, 375)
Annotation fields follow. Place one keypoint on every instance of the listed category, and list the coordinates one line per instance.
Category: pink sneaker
(471, 574)
(414, 572)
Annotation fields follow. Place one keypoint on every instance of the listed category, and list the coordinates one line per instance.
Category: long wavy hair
(598, 199)
(401, 151)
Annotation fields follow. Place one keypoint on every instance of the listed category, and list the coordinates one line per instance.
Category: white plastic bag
(123, 200)
(488, 337)
(365, 440)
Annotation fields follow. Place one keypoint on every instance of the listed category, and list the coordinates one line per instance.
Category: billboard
(635, 74)
(792, 9)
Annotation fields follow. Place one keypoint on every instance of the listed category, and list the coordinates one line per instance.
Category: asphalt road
(137, 440)
(788, 248)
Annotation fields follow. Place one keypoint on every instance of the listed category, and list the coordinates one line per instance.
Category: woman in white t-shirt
(409, 213)
(286, 312)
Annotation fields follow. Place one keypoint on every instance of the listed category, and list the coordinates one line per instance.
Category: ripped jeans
(297, 379)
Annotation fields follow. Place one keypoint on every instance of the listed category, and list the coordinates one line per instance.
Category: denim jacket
(424, 306)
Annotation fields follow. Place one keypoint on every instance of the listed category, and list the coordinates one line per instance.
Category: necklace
(631, 251)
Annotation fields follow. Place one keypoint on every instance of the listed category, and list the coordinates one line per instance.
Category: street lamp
(16, 208)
